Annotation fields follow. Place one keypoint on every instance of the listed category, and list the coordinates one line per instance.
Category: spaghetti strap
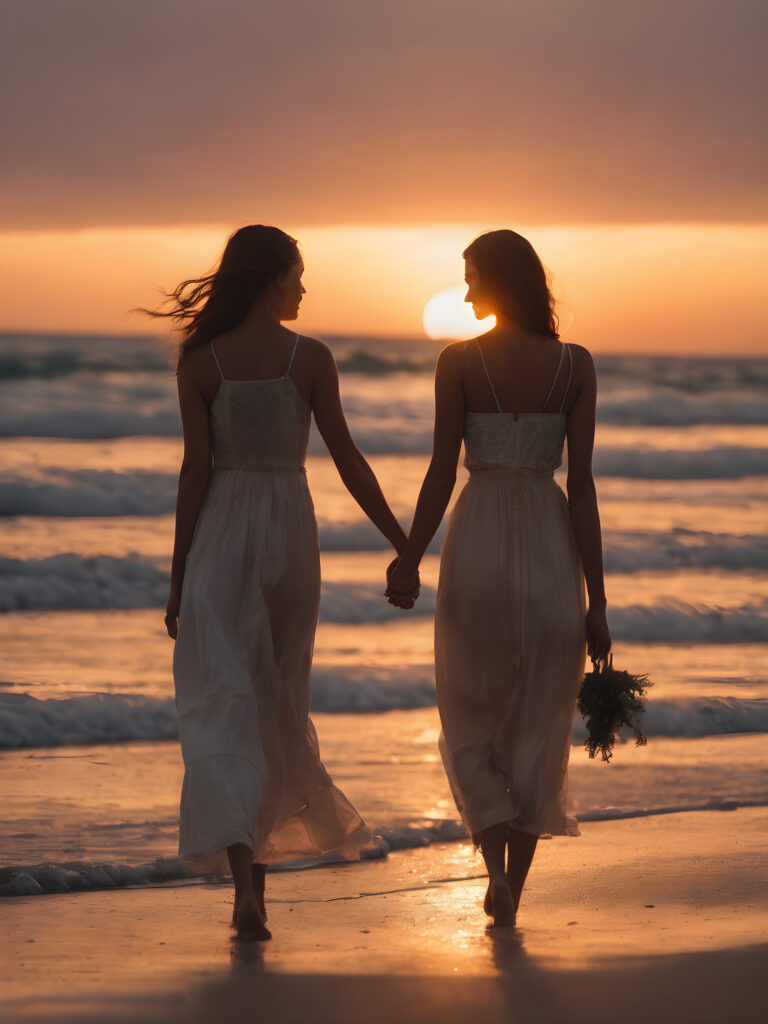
(570, 375)
(557, 374)
(493, 390)
(293, 353)
(464, 373)
(213, 350)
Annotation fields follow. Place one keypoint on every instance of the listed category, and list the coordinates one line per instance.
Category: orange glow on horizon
(639, 288)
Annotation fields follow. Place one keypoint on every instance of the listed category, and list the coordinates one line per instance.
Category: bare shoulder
(196, 366)
(582, 357)
(451, 358)
(583, 363)
(316, 353)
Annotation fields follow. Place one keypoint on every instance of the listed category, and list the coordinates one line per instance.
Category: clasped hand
(402, 588)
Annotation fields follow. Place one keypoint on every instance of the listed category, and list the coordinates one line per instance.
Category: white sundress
(510, 629)
(243, 653)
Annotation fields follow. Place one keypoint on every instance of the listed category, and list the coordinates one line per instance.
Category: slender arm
(193, 481)
(354, 470)
(582, 497)
(440, 478)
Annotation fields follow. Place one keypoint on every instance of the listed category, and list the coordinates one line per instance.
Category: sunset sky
(627, 141)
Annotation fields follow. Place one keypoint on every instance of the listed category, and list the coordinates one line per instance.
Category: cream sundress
(243, 654)
(510, 624)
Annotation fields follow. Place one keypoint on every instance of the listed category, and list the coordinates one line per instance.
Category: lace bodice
(259, 424)
(528, 443)
(523, 443)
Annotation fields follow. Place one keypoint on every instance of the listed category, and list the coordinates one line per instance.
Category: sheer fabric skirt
(241, 667)
(509, 653)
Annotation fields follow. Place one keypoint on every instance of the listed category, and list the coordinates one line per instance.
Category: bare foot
(258, 874)
(248, 919)
(501, 902)
(516, 893)
(488, 902)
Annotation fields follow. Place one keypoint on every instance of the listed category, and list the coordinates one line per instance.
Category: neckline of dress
(256, 380)
(470, 412)
(266, 380)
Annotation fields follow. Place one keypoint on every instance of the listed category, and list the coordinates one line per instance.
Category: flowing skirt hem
(548, 819)
(213, 860)
(325, 826)
(567, 827)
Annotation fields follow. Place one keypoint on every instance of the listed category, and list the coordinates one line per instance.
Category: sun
(447, 317)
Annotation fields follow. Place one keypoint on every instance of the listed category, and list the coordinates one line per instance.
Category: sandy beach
(663, 917)
(187, 186)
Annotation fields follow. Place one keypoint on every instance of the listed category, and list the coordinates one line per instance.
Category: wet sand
(662, 919)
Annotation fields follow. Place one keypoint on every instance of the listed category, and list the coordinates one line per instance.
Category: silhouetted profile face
(482, 303)
(288, 290)
(506, 279)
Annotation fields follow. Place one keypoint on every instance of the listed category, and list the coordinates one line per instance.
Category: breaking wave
(26, 721)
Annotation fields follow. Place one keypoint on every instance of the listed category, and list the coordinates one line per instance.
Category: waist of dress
(509, 473)
(259, 467)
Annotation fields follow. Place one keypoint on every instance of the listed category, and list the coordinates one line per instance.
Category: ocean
(90, 446)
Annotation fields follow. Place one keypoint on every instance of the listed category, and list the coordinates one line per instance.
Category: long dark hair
(512, 273)
(205, 307)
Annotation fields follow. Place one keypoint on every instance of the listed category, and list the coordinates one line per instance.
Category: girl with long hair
(245, 577)
(511, 625)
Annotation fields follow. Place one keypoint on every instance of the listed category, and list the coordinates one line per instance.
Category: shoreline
(125, 832)
(661, 915)
(76, 877)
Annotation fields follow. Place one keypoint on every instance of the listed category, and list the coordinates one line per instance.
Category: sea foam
(80, 876)
(105, 492)
(26, 721)
(69, 582)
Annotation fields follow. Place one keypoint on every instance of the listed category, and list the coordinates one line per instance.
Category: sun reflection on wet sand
(608, 902)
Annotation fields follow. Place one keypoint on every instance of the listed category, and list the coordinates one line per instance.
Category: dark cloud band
(179, 112)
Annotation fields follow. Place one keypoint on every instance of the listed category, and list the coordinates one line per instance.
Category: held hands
(402, 589)
(598, 635)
